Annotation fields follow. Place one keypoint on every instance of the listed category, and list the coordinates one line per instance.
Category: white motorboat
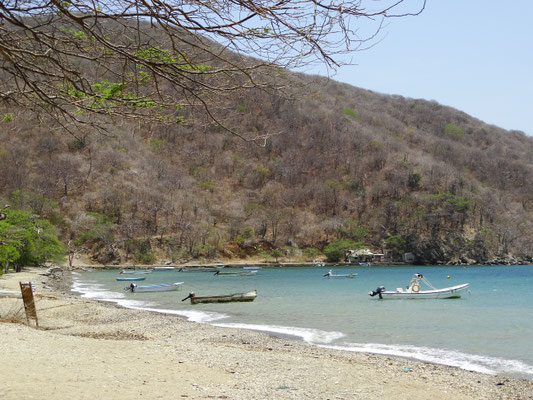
(163, 287)
(413, 291)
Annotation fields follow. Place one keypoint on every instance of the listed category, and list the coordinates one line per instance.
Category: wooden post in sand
(29, 303)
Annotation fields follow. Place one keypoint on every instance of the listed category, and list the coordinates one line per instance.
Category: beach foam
(202, 317)
(470, 362)
(94, 291)
(314, 336)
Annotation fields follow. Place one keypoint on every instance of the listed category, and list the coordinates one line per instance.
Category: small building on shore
(408, 258)
(364, 256)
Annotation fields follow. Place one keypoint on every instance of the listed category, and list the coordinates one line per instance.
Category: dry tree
(85, 62)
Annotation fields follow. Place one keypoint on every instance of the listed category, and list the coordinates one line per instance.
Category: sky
(472, 55)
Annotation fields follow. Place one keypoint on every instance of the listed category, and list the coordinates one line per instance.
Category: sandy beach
(86, 350)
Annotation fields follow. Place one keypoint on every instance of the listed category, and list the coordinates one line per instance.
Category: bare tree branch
(87, 61)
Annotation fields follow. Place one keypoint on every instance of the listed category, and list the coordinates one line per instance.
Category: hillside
(341, 162)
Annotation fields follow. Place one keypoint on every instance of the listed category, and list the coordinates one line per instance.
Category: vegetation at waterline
(26, 239)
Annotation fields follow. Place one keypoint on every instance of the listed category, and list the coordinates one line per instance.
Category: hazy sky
(472, 55)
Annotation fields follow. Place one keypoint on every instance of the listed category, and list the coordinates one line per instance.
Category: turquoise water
(487, 330)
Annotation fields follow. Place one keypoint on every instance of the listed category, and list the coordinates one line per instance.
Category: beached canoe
(225, 298)
(162, 287)
(136, 278)
(413, 291)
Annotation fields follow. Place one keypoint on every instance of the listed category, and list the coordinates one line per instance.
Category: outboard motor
(377, 292)
(131, 287)
(189, 296)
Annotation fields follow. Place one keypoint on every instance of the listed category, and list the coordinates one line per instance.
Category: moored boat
(330, 274)
(236, 273)
(225, 298)
(162, 268)
(136, 278)
(162, 287)
(413, 291)
(136, 271)
(201, 269)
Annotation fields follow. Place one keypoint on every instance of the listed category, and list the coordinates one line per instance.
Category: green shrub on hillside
(452, 130)
(351, 113)
(276, 253)
(310, 253)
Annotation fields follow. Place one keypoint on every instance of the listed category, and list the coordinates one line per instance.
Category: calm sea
(488, 330)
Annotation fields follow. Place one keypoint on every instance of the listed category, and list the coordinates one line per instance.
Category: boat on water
(136, 271)
(330, 274)
(252, 268)
(136, 278)
(224, 298)
(201, 269)
(162, 268)
(236, 273)
(162, 287)
(413, 291)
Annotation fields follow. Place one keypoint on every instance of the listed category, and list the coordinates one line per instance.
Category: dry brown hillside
(341, 162)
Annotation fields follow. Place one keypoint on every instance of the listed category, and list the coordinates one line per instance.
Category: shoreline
(267, 265)
(156, 354)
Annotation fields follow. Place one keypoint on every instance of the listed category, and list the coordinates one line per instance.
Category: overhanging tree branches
(163, 60)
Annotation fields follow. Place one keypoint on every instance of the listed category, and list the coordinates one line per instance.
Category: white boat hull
(445, 293)
(166, 287)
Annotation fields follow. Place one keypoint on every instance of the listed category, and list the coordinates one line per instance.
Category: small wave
(93, 291)
(314, 336)
(202, 317)
(470, 362)
(90, 291)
